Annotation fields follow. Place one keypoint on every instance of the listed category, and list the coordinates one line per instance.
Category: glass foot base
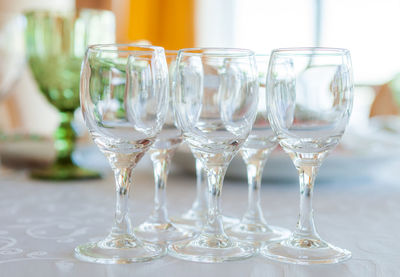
(192, 216)
(305, 251)
(119, 251)
(161, 232)
(193, 220)
(211, 249)
(258, 233)
(60, 172)
(229, 221)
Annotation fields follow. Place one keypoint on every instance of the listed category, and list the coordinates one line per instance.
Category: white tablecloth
(41, 223)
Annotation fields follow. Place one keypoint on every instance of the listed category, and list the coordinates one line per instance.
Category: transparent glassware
(310, 96)
(215, 103)
(197, 214)
(56, 43)
(158, 227)
(255, 152)
(124, 100)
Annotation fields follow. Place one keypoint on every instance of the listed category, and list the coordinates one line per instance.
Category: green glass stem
(65, 139)
(64, 142)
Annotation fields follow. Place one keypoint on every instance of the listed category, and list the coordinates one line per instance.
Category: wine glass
(158, 227)
(310, 96)
(195, 217)
(255, 152)
(56, 43)
(124, 100)
(197, 214)
(215, 103)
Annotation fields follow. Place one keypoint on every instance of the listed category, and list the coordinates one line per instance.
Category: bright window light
(369, 28)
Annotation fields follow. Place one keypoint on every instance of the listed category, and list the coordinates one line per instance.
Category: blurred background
(368, 28)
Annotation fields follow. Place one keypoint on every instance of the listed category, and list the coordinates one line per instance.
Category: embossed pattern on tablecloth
(42, 222)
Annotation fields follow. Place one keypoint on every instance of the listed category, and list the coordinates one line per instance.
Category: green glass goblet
(56, 43)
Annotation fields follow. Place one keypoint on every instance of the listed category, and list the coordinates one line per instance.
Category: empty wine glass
(196, 215)
(255, 152)
(56, 43)
(310, 96)
(158, 227)
(215, 103)
(124, 100)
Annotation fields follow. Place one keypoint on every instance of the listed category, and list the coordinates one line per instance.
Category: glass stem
(64, 139)
(161, 163)
(254, 214)
(200, 204)
(305, 226)
(122, 225)
(214, 226)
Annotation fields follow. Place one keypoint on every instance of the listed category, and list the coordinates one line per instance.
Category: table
(42, 222)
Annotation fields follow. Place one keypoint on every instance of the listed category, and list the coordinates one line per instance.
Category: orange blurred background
(167, 23)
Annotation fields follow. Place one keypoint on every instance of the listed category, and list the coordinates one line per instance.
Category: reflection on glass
(310, 96)
(215, 101)
(255, 152)
(158, 227)
(124, 100)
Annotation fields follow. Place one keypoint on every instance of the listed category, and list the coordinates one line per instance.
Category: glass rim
(146, 49)
(216, 52)
(262, 56)
(308, 51)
